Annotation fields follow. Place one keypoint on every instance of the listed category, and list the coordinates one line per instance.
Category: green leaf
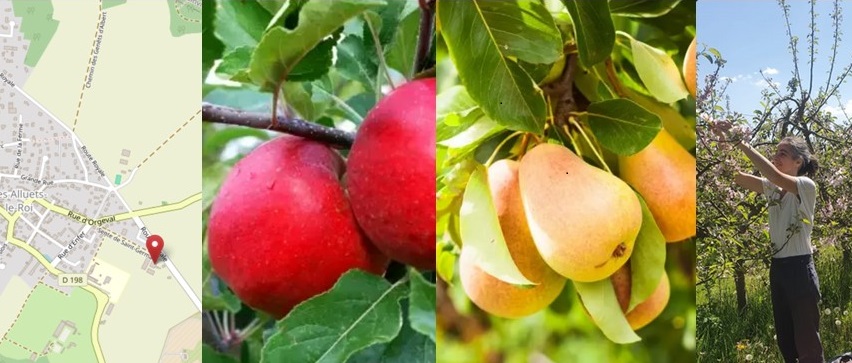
(217, 140)
(240, 23)
(641, 8)
(480, 130)
(211, 179)
(481, 232)
(524, 29)
(648, 260)
(400, 52)
(315, 64)
(408, 347)
(446, 264)
(212, 47)
(295, 95)
(421, 305)
(235, 61)
(658, 72)
(456, 112)
(215, 295)
(599, 299)
(680, 128)
(360, 310)
(389, 17)
(622, 126)
(354, 62)
(593, 29)
(504, 91)
(210, 355)
(280, 49)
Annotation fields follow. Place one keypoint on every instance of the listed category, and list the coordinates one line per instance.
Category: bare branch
(293, 126)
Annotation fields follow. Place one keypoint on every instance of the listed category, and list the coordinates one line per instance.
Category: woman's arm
(749, 182)
(784, 181)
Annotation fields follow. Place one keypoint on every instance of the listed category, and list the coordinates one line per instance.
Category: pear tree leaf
(599, 299)
(524, 29)
(481, 129)
(658, 72)
(421, 303)
(481, 232)
(648, 260)
(359, 311)
(622, 126)
(281, 50)
(446, 264)
(679, 127)
(642, 8)
(593, 28)
(497, 83)
(456, 112)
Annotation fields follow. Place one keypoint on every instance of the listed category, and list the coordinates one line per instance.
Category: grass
(727, 336)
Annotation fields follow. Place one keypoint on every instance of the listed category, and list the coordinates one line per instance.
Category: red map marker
(155, 246)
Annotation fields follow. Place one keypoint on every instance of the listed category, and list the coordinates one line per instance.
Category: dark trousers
(795, 296)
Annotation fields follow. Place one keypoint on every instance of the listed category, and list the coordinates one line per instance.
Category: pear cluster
(293, 216)
(563, 219)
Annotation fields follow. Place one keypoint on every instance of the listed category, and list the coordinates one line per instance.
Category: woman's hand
(726, 131)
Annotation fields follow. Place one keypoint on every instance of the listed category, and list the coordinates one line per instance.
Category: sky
(751, 35)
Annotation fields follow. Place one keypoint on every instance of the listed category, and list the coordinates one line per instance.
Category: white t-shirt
(791, 216)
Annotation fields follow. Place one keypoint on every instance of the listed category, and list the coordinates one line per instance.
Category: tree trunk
(846, 274)
(739, 280)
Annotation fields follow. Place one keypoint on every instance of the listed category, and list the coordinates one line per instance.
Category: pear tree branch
(293, 126)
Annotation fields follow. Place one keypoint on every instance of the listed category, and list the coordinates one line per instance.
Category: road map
(99, 149)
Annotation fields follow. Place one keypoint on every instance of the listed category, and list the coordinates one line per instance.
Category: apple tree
(301, 262)
(733, 238)
(566, 137)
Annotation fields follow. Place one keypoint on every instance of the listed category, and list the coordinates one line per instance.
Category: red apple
(391, 174)
(281, 230)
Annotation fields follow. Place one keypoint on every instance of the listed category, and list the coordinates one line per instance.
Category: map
(99, 149)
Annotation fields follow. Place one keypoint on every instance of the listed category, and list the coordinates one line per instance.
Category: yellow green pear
(652, 307)
(664, 174)
(583, 220)
(491, 294)
(689, 60)
(649, 309)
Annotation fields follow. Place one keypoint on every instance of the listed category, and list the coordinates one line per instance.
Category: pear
(491, 294)
(649, 309)
(646, 311)
(664, 174)
(689, 75)
(583, 220)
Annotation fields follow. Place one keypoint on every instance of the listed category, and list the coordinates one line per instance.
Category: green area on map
(62, 324)
(38, 26)
(185, 17)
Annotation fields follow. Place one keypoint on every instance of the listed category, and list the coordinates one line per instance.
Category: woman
(793, 281)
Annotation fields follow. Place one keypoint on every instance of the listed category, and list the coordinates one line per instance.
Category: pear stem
(613, 78)
(499, 146)
(573, 142)
(525, 141)
(588, 141)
